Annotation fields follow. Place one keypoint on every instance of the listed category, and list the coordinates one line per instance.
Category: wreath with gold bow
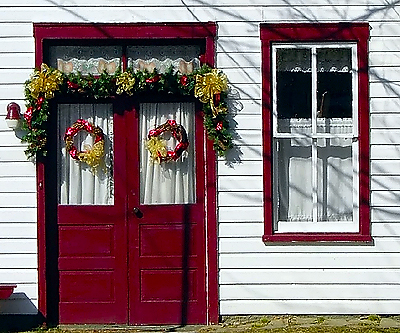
(158, 147)
(92, 156)
(209, 86)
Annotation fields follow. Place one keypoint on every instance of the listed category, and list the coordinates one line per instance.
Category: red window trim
(63, 31)
(318, 32)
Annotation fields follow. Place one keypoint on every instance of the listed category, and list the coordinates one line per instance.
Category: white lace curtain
(78, 185)
(172, 182)
(293, 165)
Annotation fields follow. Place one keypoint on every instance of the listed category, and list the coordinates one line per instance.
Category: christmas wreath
(208, 85)
(157, 146)
(92, 155)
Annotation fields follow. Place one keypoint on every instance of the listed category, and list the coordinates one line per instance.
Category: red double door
(129, 262)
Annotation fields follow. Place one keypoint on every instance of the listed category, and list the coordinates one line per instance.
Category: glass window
(312, 110)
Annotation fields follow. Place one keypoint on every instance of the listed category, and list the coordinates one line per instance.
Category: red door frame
(204, 31)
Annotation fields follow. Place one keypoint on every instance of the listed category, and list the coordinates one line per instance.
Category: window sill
(317, 237)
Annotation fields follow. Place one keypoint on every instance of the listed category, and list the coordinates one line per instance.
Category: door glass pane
(335, 179)
(78, 184)
(293, 179)
(293, 86)
(182, 58)
(167, 182)
(85, 59)
(334, 84)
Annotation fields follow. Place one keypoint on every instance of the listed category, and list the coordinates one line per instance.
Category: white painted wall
(254, 278)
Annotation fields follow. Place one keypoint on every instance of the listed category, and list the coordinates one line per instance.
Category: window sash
(315, 225)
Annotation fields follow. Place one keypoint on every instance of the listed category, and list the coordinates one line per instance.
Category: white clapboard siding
(385, 105)
(12, 154)
(19, 261)
(10, 169)
(385, 167)
(385, 152)
(221, 3)
(309, 307)
(319, 276)
(130, 14)
(239, 215)
(310, 292)
(11, 92)
(15, 29)
(18, 275)
(12, 215)
(17, 200)
(21, 231)
(310, 260)
(246, 153)
(240, 183)
(385, 183)
(18, 246)
(241, 244)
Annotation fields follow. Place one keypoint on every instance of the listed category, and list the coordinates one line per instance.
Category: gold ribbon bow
(125, 83)
(208, 85)
(45, 82)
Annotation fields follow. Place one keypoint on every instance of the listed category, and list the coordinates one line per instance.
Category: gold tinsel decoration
(45, 82)
(209, 84)
(93, 155)
(125, 83)
(156, 146)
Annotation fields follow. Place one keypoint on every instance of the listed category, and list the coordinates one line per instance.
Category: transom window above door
(315, 90)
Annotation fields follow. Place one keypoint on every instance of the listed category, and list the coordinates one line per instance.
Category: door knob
(137, 212)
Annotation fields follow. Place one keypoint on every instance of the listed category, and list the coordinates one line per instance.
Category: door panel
(167, 244)
(92, 253)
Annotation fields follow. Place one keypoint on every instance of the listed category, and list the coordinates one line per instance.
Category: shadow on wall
(18, 313)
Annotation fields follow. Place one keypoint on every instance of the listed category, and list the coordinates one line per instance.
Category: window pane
(293, 179)
(182, 58)
(335, 179)
(293, 86)
(167, 182)
(77, 183)
(334, 83)
(162, 52)
(85, 59)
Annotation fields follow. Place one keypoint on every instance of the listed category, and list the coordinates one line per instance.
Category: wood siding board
(18, 231)
(316, 276)
(82, 14)
(143, 3)
(18, 276)
(241, 244)
(310, 260)
(310, 307)
(310, 292)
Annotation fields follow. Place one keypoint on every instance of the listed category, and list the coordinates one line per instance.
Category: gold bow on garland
(209, 86)
(45, 82)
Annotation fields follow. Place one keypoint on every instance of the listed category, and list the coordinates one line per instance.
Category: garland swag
(208, 85)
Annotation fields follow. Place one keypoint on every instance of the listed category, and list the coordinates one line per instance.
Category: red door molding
(44, 32)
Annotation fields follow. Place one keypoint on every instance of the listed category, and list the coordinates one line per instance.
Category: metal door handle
(137, 212)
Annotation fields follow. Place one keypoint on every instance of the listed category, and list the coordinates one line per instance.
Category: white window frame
(315, 226)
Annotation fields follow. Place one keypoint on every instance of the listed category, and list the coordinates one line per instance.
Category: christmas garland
(208, 85)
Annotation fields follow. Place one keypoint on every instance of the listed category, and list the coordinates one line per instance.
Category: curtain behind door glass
(171, 182)
(77, 183)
